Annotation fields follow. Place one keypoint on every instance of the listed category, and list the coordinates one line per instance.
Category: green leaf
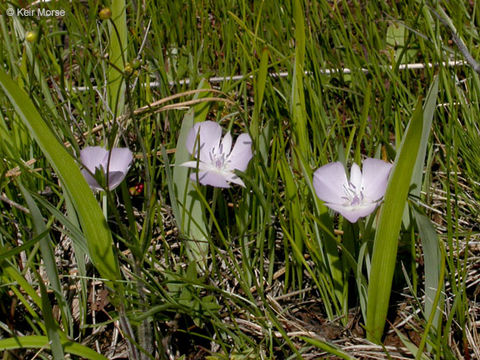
(434, 265)
(97, 233)
(299, 116)
(7, 252)
(71, 230)
(331, 349)
(50, 323)
(41, 342)
(117, 53)
(428, 112)
(428, 236)
(191, 215)
(48, 256)
(260, 83)
(387, 234)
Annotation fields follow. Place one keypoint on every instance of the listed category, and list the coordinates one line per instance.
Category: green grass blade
(97, 233)
(428, 111)
(48, 255)
(7, 252)
(410, 345)
(117, 51)
(14, 275)
(434, 273)
(259, 92)
(331, 349)
(386, 237)
(41, 342)
(50, 323)
(299, 116)
(71, 230)
(191, 221)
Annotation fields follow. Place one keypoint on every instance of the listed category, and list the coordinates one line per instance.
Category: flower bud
(105, 14)
(128, 69)
(31, 36)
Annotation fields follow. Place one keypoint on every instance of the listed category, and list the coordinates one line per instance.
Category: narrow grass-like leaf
(428, 112)
(192, 221)
(432, 259)
(410, 345)
(41, 342)
(6, 252)
(294, 209)
(48, 255)
(13, 274)
(50, 323)
(259, 91)
(327, 247)
(299, 116)
(71, 230)
(117, 52)
(363, 124)
(331, 349)
(97, 233)
(386, 237)
(434, 274)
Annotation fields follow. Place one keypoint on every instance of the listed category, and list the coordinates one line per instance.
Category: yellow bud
(128, 69)
(105, 14)
(31, 36)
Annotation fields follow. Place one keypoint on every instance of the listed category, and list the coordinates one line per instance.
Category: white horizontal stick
(220, 79)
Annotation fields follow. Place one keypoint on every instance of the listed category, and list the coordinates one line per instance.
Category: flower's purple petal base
(352, 214)
(210, 178)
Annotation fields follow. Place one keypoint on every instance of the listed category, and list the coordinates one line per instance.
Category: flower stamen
(353, 196)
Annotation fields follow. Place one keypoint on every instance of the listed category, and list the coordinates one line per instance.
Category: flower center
(353, 195)
(218, 158)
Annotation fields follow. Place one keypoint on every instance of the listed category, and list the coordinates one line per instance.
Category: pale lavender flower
(96, 158)
(357, 197)
(216, 160)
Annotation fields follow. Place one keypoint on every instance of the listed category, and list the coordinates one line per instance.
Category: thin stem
(104, 205)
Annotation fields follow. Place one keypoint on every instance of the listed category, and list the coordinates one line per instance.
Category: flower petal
(329, 183)
(120, 159)
(194, 164)
(91, 180)
(234, 178)
(93, 157)
(241, 153)
(115, 178)
(353, 213)
(210, 178)
(356, 176)
(205, 134)
(375, 178)
(96, 157)
(226, 146)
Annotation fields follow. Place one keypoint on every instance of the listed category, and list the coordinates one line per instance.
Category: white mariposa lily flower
(357, 197)
(216, 160)
(96, 158)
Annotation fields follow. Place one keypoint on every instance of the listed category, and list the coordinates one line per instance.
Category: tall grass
(254, 272)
